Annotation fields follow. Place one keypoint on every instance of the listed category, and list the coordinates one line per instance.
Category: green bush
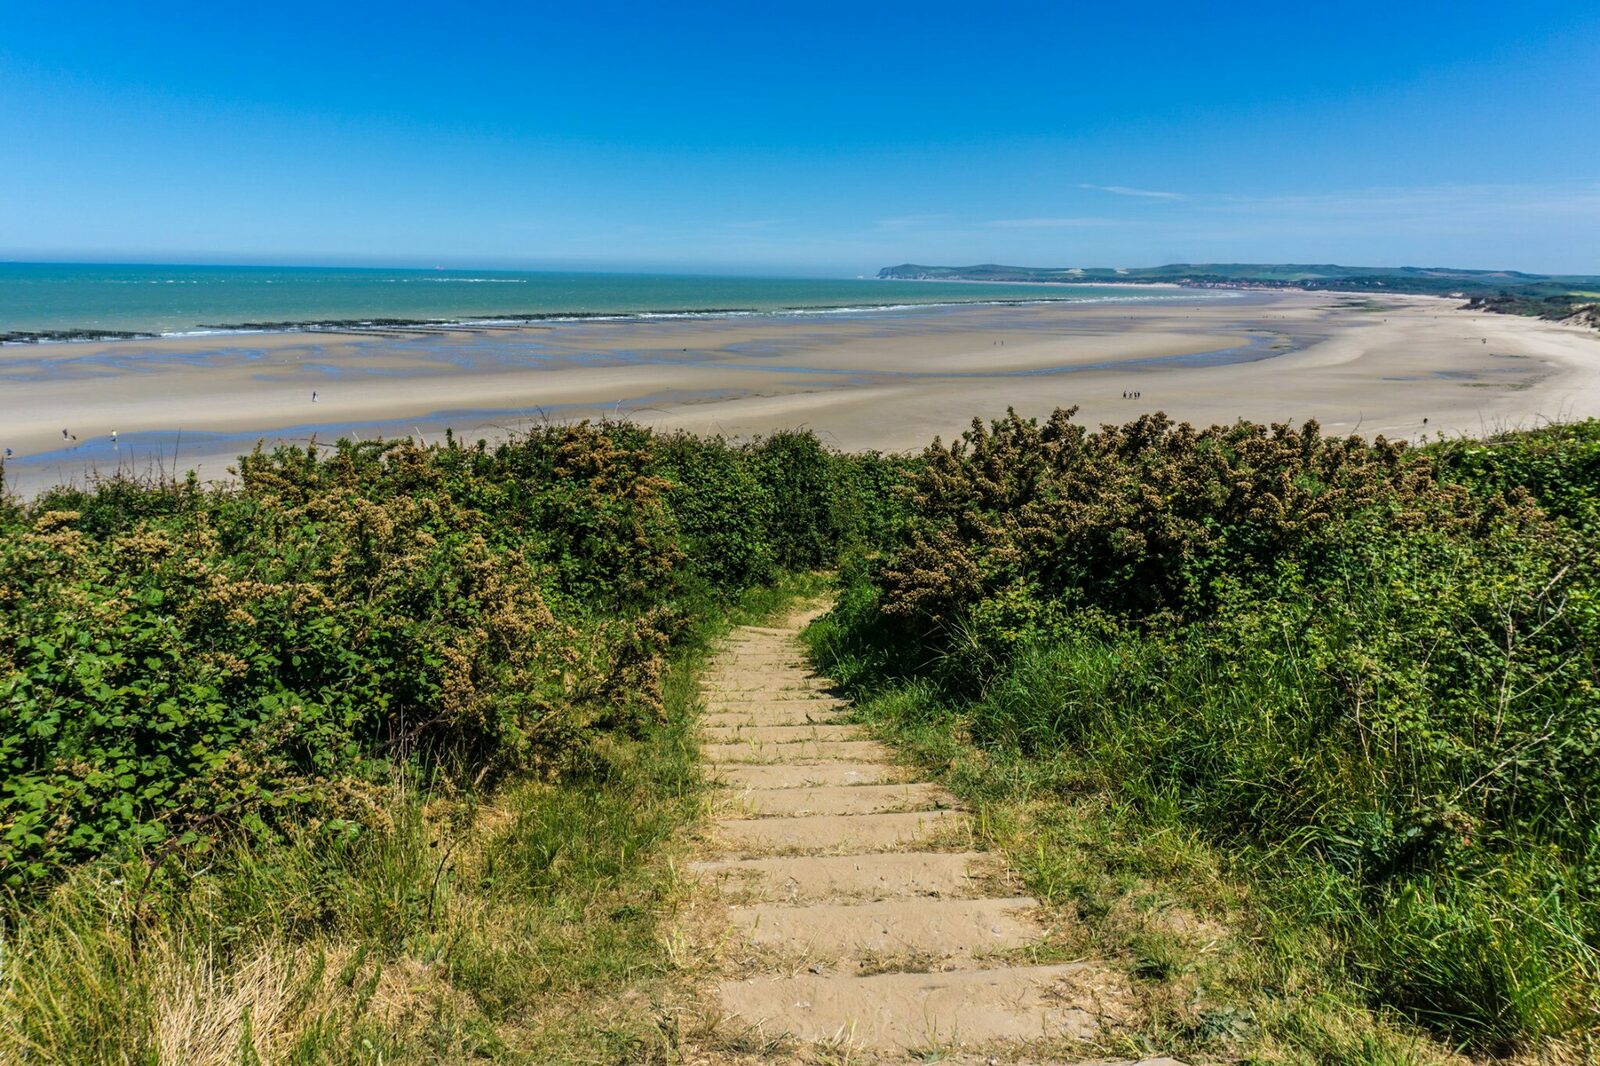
(176, 659)
(1374, 660)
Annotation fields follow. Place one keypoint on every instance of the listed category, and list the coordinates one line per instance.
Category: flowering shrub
(1378, 659)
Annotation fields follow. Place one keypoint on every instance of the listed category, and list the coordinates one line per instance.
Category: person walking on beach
(313, 395)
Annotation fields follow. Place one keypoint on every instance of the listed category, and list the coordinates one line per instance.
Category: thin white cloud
(754, 223)
(1570, 200)
(911, 221)
(1123, 190)
(1049, 223)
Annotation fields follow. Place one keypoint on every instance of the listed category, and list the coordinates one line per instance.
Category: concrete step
(744, 660)
(803, 713)
(763, 694)
(879, 875)
(740, 649)
(833, 799)
(781, 687)
(753, 706)
(934, 928)
(832, 834)
(911, 1011)
(781, 734)
(800, 773)
(766, 687)
(801, 751)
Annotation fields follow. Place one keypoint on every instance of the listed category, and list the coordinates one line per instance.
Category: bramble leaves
(175, 660)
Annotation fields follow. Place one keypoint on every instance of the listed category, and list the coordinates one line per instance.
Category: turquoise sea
(77, 298)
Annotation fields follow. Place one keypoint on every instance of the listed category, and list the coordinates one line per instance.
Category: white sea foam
(469, 281)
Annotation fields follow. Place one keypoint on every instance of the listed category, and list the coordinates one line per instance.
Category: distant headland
(1571, 298)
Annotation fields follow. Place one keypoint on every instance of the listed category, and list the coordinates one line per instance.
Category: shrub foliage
(1368, 669)
(175, 660)
(1367, 660)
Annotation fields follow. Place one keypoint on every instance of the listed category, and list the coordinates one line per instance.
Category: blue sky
(802, 138)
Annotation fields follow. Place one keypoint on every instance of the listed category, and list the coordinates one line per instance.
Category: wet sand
(886, 380)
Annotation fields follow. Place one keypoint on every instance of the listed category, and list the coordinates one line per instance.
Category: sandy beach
(1397, 366)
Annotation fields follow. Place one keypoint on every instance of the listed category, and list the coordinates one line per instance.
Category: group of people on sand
(72, 438)
(1126, 395)
(66, 435)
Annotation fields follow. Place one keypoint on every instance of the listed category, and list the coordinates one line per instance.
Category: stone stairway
(861, 913)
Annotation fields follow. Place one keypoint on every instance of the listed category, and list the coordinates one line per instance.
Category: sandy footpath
(889, 380)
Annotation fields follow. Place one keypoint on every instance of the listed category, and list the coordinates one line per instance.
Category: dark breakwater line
(48, 336)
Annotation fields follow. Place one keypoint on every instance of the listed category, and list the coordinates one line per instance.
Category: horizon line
(712, 270)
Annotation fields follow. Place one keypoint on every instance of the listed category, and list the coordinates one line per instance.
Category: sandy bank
(889, 380)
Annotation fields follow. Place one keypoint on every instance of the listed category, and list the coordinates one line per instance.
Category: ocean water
(164, 300)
